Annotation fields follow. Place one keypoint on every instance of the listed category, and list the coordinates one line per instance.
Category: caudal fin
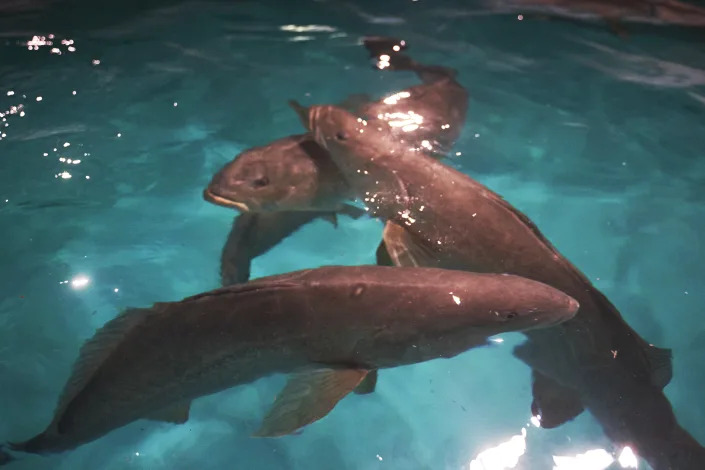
(386, 52)
(35, 445)
(5, 457)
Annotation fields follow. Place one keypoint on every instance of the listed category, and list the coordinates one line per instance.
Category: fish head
(524, 304)
(501, 303)
(282, 175)
(350, 140)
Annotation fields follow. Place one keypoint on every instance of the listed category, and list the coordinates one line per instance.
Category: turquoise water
(104, 156)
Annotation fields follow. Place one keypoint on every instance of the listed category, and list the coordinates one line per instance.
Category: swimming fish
(294, 174)
(437, 216)
(613, 13)
(430, 115)
(326, 327)
(273, 186)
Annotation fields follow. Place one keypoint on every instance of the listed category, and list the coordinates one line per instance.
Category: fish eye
(511, 315)
(341, 136)
(260, 182)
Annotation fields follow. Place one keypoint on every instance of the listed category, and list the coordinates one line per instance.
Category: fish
(291, 181)
(436, 216)
(613, 13)
(294, 173)
(291, 173)
(430, 115)
(325, 327)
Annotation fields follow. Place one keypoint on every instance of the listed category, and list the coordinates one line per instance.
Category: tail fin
(386, 53)
(35, 445)
(5, 457)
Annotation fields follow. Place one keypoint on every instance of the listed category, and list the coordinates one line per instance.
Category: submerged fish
(612, 12)
(294, 174)
(291, 173)
(327, 327)
(437, 216)
(273, 186)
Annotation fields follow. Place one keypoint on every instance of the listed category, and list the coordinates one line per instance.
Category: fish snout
(573, 306)
(564, 310)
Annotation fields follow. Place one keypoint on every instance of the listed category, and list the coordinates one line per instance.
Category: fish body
(328, 325)
(291, 181)
(653, 12)
(437, 216)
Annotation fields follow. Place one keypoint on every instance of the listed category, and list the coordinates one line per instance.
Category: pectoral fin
(554, 404)
(368, 384)
(307, 397)
(347, 210)
(177, 414)
(405, 249)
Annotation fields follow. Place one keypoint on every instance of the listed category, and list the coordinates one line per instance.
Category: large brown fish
(292, 181)
(613, 12)
(437, 216)
(327, 327)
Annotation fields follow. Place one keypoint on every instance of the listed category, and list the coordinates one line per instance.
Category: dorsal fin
(97, 349)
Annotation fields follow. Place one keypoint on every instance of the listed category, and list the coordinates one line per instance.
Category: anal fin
(553, 403)
(307, 397)
(177, 414)
(368, 384)
(405, 249)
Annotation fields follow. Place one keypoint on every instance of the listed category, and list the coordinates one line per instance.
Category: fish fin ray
(554, 403)
(405, 249)
(177, 414)
(307, 397)
(368, 384)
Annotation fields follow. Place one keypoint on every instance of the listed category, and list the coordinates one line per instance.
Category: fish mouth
(210, 196)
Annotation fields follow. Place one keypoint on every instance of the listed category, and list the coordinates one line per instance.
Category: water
(598, 139)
